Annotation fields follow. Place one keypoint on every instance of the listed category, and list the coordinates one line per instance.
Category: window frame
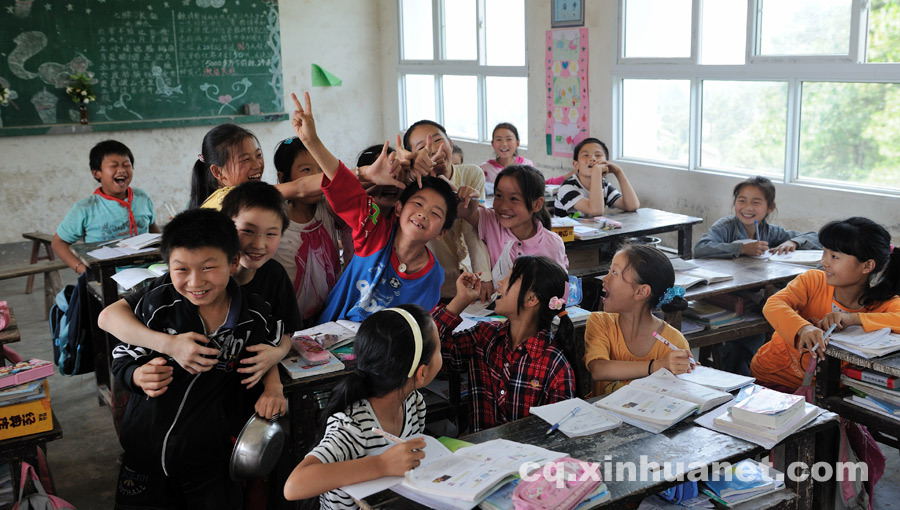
(440, 67)
(794, 70)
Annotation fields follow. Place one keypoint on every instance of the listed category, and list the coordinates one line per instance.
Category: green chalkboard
(156, 63)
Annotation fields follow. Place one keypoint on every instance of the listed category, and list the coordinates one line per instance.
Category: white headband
(417, 338)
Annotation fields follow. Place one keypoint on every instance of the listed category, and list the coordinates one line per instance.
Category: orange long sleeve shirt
(804, 301)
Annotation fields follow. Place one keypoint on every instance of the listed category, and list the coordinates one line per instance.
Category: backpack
(73, 352)
(39, 499)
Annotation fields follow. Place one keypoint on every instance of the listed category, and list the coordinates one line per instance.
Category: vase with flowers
(80, 91)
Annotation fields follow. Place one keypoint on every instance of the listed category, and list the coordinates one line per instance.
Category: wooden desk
(643, 222)
(102, 271)
(830, 395)
(691, 445)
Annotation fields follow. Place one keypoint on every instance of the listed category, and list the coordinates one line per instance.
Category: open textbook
(331, 334)
(699, 276)
(584, 421)
(460, 479)
(660, 400)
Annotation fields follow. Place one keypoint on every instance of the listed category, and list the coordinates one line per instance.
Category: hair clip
(200, 157)
(289, 140)
(556, 303)
(671, 293)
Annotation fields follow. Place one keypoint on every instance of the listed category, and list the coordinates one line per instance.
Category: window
(463, 64)
(804, 91)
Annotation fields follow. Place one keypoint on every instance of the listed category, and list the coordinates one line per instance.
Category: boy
(177, 426)
(113, 210)
(588, 191)
(257, 210)
(391, 264)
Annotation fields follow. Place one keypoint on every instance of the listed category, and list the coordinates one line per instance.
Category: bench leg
(35, 250)
(52, 286)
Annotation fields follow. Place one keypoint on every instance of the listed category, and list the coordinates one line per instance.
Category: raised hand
(302, 119)
(384, 171)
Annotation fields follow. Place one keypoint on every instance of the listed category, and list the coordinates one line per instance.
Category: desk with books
(692, 446)
(830, 395)
(101, 271)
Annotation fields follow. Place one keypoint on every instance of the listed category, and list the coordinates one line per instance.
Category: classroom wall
(42, 176)
(702, 194)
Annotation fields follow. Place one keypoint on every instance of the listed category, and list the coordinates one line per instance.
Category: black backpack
(73, 351)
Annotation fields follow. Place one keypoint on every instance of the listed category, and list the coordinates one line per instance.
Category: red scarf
(129, 197)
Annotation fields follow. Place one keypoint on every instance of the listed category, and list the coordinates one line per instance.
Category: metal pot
(257, 449)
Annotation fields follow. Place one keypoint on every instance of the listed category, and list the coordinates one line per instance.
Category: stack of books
(711, 316)
(746, 480)
(876, 392)
(872, 344)
(763, 416)
(25, 398)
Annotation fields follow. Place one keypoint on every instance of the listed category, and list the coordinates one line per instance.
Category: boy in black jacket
(177, 427)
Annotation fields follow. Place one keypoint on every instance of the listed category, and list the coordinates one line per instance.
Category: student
(257, 211)
(113, 210)
(230, 155)
(310, 249)
(397, 352)
(177, 428)
(619, 343)
(588, 192)
(858, 285)
(427, 140)
(516, 364)
(385, 197)
(747, 232)
(505, 142)
(517, 224)
(457, 156)
(392, 263)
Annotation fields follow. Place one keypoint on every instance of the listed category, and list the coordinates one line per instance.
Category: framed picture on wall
(566, 13)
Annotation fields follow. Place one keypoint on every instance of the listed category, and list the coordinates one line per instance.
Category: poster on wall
(567, 89)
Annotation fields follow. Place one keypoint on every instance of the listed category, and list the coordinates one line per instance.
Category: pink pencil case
(25, 371)
(310, 350)
(545, 494)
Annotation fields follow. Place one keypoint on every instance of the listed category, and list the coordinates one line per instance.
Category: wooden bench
(52, 282)
(38, 240)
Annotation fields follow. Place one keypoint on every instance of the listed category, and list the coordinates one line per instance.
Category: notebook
(716, 379)
(804, 257)
(298, 368)
(140, 241)
(128, 278)
(586, 421)
(870, 344)
(699, 276)
(658, 401)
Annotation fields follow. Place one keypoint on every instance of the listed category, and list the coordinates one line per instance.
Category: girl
(505, 142)
(619, 343)
(397, 352)
(858, 285)
(517, 224)
(230, 155)
(427, 140)
(309, 249)
(258, 213)
(747, 232)
(588, 191)
(519, 363)
(392, 263)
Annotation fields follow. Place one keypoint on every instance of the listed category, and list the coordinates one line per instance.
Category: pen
(670, 345)
(387, 435)
(556, 425)
(715, 499)
(756, 230)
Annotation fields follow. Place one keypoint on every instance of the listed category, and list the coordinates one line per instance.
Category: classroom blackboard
(156, 63)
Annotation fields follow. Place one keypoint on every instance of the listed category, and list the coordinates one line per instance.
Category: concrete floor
(84, 462)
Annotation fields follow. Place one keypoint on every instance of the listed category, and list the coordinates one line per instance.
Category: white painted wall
(700, 194)
(42, 176)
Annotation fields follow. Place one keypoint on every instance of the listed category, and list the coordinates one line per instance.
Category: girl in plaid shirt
(516, 364)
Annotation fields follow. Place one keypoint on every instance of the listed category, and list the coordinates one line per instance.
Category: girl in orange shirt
(619, 344)
(858, 285)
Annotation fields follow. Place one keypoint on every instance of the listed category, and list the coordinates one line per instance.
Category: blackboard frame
(100, 127)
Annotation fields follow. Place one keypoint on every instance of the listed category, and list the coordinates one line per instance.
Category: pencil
(670, 345)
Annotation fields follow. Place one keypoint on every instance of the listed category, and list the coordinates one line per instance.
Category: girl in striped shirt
(397, 351)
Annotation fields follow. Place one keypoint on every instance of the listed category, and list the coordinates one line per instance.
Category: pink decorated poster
(567, 90)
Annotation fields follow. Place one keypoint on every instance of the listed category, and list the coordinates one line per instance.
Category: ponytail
(867, 240)
(202, 184)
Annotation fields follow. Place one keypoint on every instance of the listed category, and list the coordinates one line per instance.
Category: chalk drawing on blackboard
(215, 4)
(273, 41)
(105, 110)
(45, 104)
(28, 44)
(58, 75)
(162, 86)
(212, 93)
(23, 8)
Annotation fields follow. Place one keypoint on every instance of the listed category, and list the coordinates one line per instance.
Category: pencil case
(545, 493)
(310, 350)
(25, 371)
